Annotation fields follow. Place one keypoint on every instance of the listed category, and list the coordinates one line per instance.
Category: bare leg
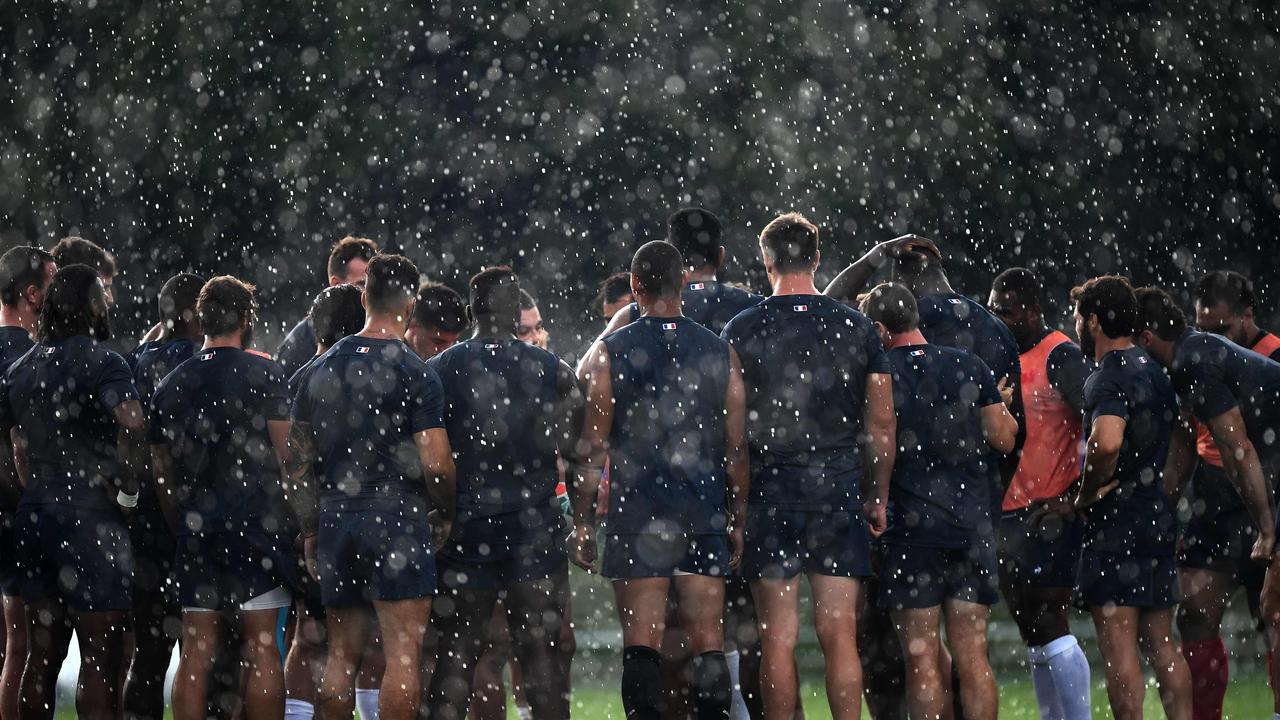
(348, 632)
(967, 637)
(101, 641)
(152, 651)
(779, 627)
(304, 665)
(535, 617)
(402, 624)
(1172, 676)
(48, 637)
(15, 656)
(919, 634)
(1118, 642)
(835, 617)
(489, 691)
(642, 610)
(462, 620)
(201, 635)
(264, 676)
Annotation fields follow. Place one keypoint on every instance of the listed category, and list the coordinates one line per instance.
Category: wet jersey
(1266, 345)
(365, 399)
(945, 475)
(297, 348)
(212, 413)
(1054, 372)
(63, 396)
(154, 360)
(667, 444)
(501, 397)
(15, 341)
(709, 303)
(1135, 518)
(805, 361)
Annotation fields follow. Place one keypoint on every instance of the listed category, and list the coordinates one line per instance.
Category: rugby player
(818, 386)
(531, 328)
(613, 295)
(71, 540)
(439, 317)
(74, 250)
(665, 401)
(939, 557)
(1235, 394)
(335, 313)
(1039, 532)
(368, 415)
(1127, 577)
(510, 410)
(25, 274)
(219, 431)
(156, 613)
(348, 262)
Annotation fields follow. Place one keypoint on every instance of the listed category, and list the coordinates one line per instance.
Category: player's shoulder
(1065, 353)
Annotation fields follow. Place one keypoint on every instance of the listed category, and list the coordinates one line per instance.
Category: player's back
(1136, 517)
(154, 360)
(365, 399)
(805, 361)
(212, 411)
(63, 395)
(945, 476)
(666, 447)
(710, 303)
(500, 401)
(298, 347)
(1213, 374)
(953, 320)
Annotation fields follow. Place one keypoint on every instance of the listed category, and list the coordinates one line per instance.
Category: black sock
(641, 682)
(712, 691)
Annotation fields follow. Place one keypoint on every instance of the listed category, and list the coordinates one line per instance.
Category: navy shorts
(224, 570)
(80, 556)
(913, 577)
(154, 592)
(1045, 556)
(521, 564)
(8, 558)
(665, 554)
(782, 543)
(1109, 578)
(1221, 540)
(368, 555)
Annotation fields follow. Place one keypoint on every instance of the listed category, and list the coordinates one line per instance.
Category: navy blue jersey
(709, 303)
(1068, 370)
(62, 397)
(154, 360)
(946, 478)
(953, 320)
(1213, 375)
(15, 341)
(1135, 518)
(212, 412)
(365, 399)
(667, 446)
(805, 362)
(299, 377)
(297, 348)
(501, 398)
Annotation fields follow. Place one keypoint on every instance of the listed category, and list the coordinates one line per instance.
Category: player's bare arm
(1102, 452)
(597, 421)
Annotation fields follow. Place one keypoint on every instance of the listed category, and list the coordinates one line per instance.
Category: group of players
(398, 489)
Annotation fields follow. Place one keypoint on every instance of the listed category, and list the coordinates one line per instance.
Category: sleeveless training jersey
(1266, 345)
(667, 445)
(500, 401)
(1053, 377)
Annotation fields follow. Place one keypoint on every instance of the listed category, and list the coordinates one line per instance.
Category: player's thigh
(1205, 594)
(347, 630)
(259, 629)
(966, 628)
(202, 633)
(1117, 628)
(919, 634)
(401, 624)
(776, 609)
(642, 609)
(700, 604)
(835, 604)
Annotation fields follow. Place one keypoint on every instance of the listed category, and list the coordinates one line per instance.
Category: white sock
(1042, 681)
(524, 711)
(367, 703)
(738, 706)
(1070, 670)
(298, 709)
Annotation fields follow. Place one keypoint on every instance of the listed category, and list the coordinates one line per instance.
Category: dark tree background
(245, 137)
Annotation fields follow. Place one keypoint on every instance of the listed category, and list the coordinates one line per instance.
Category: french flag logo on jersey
(206, 357)
(698, 286)
(917, 353)
(492, 346)
(50, 351)
(800, 308)
(362, 349)
(955, 301)
(668, 326)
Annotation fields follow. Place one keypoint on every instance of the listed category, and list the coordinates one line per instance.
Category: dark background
(246, 136)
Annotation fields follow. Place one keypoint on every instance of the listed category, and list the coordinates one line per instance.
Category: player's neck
(910, 337)
(230, 340)
(1251, 331)
(659, 306)
(18, 316)
(489, 326)
(186, 332)
(705, 274)
(383, 328)
(794, 284)
(1104, 345)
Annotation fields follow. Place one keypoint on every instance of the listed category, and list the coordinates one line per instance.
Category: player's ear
(720, 256)
(1144, 338)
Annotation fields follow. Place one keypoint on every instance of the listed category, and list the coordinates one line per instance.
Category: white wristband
(125, 500)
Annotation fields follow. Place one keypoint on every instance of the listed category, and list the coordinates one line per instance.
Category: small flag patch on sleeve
(362, 349)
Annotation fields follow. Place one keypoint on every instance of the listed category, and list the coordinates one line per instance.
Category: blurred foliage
(234, 136)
